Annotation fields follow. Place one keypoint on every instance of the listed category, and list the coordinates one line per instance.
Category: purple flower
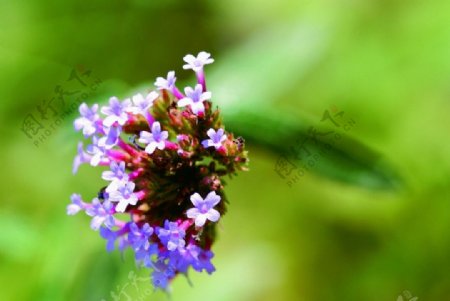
(182, 258)
(155, 139)
(139, 238)
(88, 119)
(97, 151)
(111, 237)
(195, 98)
(216, 138)
(166, 83)
(204, 208)
(116, 112)
(197, 63)
(141, 104)
(117, 172)
(123, 193)
(204, 262)
(76, 205)
(112, 137)
(161, 274)
(102, 213)
(80, 158)
(171, 235)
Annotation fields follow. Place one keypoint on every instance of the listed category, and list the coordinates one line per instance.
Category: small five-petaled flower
(154, 140)
(203, 209)
(195, 98)
(197, 63)
(216, 138)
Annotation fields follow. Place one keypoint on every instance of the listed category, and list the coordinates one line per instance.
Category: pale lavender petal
(200, 220)
(151, 147)
(211, 133)
(206, 96)
(184, 102)
(197, 107)
(212, 199)
(196, 199)
(213, 215)
(192, 213)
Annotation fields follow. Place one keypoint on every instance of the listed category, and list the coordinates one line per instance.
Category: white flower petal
(203, 56)
(200, 220)
(96, 222)
(152, 96)
(79, 123)
(164, 135)
(192, 213)
(156, 127)
(189, 58)
(188, 90)
(184, 102)
(171, 246)
(109, 120)
(122, 205)
(206, 96)
(95, 159)
(73, 209)
(197, 107)
(212, 198)
(161, 145)
(138, 99)
(196, 199)
(211, 133)
(151, 147)
(145, 137)
(213, 215)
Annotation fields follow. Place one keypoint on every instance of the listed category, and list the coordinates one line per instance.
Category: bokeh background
(369, 220)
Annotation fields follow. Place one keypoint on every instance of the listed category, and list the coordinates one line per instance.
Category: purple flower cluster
(167, 153)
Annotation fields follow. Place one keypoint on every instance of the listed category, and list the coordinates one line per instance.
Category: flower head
(150, 203)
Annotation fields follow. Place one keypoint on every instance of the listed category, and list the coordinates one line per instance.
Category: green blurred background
(370, 220)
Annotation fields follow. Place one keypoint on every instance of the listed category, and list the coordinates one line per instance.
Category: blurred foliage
(369, 221)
